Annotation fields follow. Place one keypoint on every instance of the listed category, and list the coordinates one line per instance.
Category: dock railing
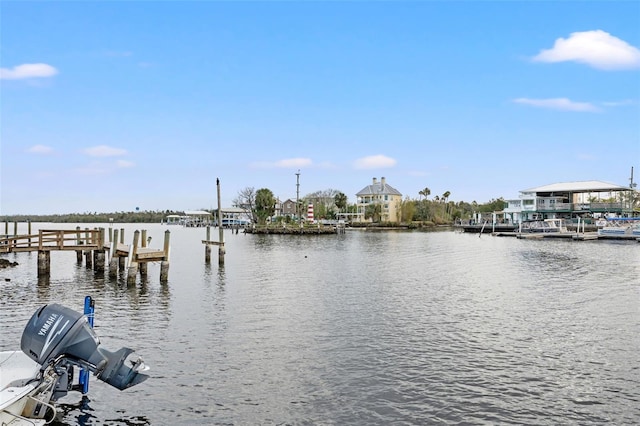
(48, 240)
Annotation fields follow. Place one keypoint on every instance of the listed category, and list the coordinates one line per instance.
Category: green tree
(373, 212)
(408, 210)
(265, 205)
(340, 200)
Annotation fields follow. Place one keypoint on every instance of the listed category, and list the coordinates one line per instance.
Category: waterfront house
(379, 192)
(569, 200)
(288, 208)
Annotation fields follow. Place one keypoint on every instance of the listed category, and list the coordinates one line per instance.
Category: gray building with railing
(570, 200)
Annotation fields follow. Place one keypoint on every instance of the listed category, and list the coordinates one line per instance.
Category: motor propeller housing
(55, 331)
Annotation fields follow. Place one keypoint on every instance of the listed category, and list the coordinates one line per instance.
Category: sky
(120, 105)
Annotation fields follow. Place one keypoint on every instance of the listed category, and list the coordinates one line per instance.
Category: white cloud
(586, 157)
(27, 71)
(625, 102)
(40, 149)
(374, 162)
(93, 169)
(124, 164)
(104, 151)
(561, 104)
(287, 163)
(326, 165)
(598, 49)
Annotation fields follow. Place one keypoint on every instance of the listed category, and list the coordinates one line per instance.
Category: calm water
(363, 328)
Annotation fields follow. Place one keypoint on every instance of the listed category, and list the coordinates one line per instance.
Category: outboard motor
(56, 332)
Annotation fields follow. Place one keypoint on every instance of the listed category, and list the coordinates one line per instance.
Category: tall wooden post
(164, 265)
(113, 263)
(207, 247)
(121, 260)
(143, 243)
(15, 227)
(29, 231)
(133, 263)
(6, 228)
(88, 254)
(221, 233)
(78, 242)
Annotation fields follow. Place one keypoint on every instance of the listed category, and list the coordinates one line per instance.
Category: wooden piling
(88, 258)
(99, 255)
(79, 242)
(143, 244)
(88, 254)
(133, 263)
(15, 227)
(207, 247)
(113, 264)
(44, 263)
(29, 231)
(121, 260)
(221, 233)
(100, 259)
(164, 271)
(164, 265)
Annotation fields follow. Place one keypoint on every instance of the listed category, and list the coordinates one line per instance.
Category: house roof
(197, 213)
(583, 186)
(378, 188)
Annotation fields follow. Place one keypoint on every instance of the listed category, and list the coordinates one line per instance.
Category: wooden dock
(91, 243)
(47, 240)
(294, 230)
(575, 236)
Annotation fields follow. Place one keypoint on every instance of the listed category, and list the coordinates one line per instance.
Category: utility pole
(298, 195)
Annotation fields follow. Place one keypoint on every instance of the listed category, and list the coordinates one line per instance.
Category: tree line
(261, 204)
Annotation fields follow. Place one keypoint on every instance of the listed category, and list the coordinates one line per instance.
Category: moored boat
(619, 226)
(58, 345)
(543, 226)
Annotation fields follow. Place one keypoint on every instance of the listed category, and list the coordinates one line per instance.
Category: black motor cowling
(55, 330)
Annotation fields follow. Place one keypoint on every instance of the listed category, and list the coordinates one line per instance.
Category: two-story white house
(379, 192)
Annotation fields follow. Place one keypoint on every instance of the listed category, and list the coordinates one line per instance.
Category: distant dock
(582, 236)
(295, 230)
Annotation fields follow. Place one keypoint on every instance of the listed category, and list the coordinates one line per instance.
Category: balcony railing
(566, 207)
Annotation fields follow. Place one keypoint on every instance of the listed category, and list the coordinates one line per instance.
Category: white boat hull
(16, 369)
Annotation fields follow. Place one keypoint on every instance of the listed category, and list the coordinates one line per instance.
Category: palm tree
(340, 200)
(373, 211)
(445, 196)
(425, 192)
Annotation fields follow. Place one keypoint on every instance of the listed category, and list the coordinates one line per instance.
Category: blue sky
(113, 106)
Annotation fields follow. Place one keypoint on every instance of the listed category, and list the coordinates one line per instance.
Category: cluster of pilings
(91, 244)
(139, 255)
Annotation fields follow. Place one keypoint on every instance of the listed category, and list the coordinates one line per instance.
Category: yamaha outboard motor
(55, 332)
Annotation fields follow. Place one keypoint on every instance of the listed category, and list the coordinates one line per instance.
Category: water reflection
(362, 328)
